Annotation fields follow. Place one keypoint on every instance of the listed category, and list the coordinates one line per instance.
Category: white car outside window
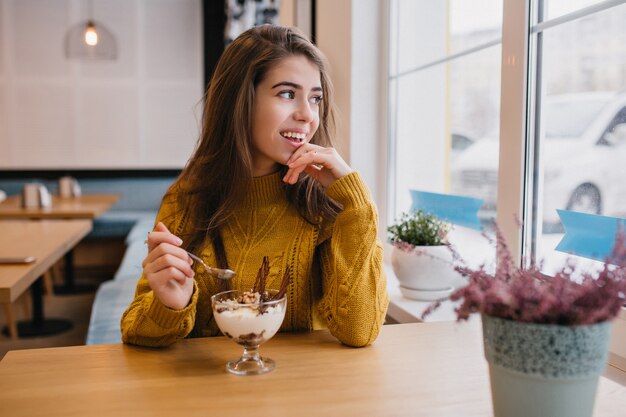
(583, 154)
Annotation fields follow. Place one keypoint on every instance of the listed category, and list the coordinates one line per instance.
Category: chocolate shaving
(261, 282)
(283, 285)
(261, 277)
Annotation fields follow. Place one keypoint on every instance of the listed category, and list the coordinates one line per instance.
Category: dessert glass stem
(250, 363)
(251, 354)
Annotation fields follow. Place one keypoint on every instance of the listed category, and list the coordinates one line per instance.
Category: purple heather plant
(527, 295)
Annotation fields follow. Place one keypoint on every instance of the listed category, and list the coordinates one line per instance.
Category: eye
(315, 99)
(290, 94)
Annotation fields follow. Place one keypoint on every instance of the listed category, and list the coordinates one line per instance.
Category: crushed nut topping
(258, 295)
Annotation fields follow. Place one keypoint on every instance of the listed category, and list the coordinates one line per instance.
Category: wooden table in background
(417, 369)
(87, 206)
(48, 241)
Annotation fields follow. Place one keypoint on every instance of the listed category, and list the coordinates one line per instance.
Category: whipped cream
(252, 324)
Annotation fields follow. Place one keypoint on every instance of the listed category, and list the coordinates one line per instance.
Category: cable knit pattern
(336, 268)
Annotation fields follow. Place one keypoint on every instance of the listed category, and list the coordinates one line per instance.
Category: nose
(304, 112)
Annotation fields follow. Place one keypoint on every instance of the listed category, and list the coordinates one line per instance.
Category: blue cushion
(121, 223)
(105, 226)
(130, 268)
(112, 299)
(141, 193)
(140, 229)
(14, 187)
(136, 194)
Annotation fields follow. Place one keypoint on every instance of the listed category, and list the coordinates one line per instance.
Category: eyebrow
(293, 85)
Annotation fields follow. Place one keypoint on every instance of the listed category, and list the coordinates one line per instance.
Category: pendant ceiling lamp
(90, 40)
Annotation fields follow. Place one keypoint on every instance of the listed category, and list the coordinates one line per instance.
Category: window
(559, 124)
(577, 126)
(444, 85)
(579, 100)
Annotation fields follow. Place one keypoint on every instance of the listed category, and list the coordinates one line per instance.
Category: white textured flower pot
(544, 370)
(425, 273)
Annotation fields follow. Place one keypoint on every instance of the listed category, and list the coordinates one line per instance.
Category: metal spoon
(224, 274)
(216, 272)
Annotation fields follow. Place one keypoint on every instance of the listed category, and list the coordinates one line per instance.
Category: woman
(265, 180)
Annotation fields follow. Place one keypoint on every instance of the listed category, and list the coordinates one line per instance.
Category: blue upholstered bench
(133, 217)
(115, 295)
(111, 301)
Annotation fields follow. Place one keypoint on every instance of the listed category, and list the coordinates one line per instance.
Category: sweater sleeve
(354, 301)
(148, 322)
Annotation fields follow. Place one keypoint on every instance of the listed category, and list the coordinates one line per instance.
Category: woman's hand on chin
(323, 164)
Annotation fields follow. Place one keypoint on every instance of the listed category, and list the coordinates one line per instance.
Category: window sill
(404, 310)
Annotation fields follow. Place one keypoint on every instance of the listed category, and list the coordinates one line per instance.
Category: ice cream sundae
(247, 320)
(251, 318)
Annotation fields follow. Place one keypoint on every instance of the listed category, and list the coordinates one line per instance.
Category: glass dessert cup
(250, 325)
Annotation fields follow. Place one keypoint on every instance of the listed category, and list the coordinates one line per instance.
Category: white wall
(139, 111)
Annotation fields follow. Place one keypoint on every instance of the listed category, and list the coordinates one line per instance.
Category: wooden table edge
(44, 264)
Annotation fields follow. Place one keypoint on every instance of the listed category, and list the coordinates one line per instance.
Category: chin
(282, 161)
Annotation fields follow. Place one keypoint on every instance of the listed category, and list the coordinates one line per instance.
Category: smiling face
(286, 112)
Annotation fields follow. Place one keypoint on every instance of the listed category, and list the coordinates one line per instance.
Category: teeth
(294, 135)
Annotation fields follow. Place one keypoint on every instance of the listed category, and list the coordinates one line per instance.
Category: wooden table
(47, 241)
(88, 206)
(417, 369)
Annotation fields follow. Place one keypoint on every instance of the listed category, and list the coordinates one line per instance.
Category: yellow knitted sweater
(336, 268)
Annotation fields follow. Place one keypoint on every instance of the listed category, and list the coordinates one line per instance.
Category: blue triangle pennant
(459, 210)
(588, 235)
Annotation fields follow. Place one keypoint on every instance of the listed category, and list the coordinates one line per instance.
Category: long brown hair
(219, 172)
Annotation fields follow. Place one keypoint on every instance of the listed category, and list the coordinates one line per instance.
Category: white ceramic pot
(425, 273)
(544, 369)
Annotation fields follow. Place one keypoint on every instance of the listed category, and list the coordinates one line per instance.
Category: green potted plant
(545, 338)
(421, 258)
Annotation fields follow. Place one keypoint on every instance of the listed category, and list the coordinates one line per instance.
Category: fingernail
(179, 241)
